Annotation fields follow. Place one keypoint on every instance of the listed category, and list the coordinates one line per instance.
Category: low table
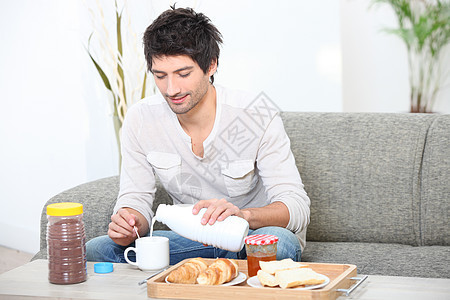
(31, 280)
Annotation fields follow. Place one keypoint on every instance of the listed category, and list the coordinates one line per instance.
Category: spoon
(135, 229)
(145, 280)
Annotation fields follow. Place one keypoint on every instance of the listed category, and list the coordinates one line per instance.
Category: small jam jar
(260, 247)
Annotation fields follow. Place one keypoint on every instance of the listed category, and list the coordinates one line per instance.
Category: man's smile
(178, 99)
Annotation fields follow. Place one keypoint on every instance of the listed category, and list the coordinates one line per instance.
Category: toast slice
(274, 266)
(266, 279)
(296, 277)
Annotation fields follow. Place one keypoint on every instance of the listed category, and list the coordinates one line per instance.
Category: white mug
(152, 253)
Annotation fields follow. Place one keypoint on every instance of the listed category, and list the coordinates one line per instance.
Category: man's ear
(212, 68)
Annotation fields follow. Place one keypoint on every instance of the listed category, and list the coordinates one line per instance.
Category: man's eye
(185, 75)
(160, 77)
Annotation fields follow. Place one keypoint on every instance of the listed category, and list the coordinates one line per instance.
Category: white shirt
(247, 158)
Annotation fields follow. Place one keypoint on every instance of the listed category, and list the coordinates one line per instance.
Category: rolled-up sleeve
(137, 178)
(280, 176)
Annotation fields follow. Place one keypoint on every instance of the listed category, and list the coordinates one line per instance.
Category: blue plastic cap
(104, 267)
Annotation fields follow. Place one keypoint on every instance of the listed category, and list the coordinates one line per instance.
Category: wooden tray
(339, 279)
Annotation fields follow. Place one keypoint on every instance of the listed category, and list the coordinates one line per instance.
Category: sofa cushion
(435, 189)
(98, 198)
(383, 259)
(362, 168)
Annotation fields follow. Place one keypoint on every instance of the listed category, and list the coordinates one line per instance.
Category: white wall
(290, 50)
(55, 126)
(375, 67)
(42, 130)
(52, 135)
(284, 49)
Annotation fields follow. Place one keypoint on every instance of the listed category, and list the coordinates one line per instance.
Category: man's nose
(172, 87)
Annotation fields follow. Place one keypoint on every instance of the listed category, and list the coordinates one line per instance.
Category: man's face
(181, 81)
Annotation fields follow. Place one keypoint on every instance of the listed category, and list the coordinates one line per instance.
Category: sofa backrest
(371, 177)
(98, 198)
(362, 173)
(435, 189)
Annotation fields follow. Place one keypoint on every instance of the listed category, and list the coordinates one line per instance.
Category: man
(207, 146)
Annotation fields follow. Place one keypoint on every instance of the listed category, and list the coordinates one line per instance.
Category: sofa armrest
(98, 198)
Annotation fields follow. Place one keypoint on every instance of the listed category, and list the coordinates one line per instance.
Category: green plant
(424, 27)
(121, 66)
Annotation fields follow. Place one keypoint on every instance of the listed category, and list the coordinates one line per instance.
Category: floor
(10, 259)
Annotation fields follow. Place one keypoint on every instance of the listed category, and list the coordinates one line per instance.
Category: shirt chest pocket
(167, 166)
(239, 177)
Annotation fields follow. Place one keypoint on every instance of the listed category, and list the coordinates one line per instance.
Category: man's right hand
(121, 228)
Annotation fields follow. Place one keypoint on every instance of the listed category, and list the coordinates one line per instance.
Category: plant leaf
(120, 49)
(99, 69)
(119, 31)
(406, 35)
(144, 84)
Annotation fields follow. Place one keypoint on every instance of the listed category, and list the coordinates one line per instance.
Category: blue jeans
(104, 249)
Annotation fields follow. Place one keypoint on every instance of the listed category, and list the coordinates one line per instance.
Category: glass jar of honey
(260, 247)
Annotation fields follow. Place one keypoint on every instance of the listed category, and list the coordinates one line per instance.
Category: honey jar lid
(65, 209)
(261, 239)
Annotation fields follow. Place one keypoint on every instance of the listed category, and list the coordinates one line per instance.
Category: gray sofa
(379, 186)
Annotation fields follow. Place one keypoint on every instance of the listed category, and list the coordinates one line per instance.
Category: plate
(254, 282)
(239, 279)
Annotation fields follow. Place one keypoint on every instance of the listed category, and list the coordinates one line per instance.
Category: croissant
(188, 272)
(220, 271)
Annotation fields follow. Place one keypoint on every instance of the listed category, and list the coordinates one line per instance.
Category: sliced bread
(274, 266)
(296, 277)
(266, 279)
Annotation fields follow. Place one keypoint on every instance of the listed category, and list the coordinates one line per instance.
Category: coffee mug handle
(126, 255)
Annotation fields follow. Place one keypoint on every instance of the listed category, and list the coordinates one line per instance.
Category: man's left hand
(217, 210)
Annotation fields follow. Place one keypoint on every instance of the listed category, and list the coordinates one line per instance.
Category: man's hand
(217, 210)
(121, 228)
(274, 214)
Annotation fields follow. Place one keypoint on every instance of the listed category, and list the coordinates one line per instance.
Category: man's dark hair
(182, 31)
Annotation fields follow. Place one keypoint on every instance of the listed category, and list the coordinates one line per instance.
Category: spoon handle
(145, 280)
